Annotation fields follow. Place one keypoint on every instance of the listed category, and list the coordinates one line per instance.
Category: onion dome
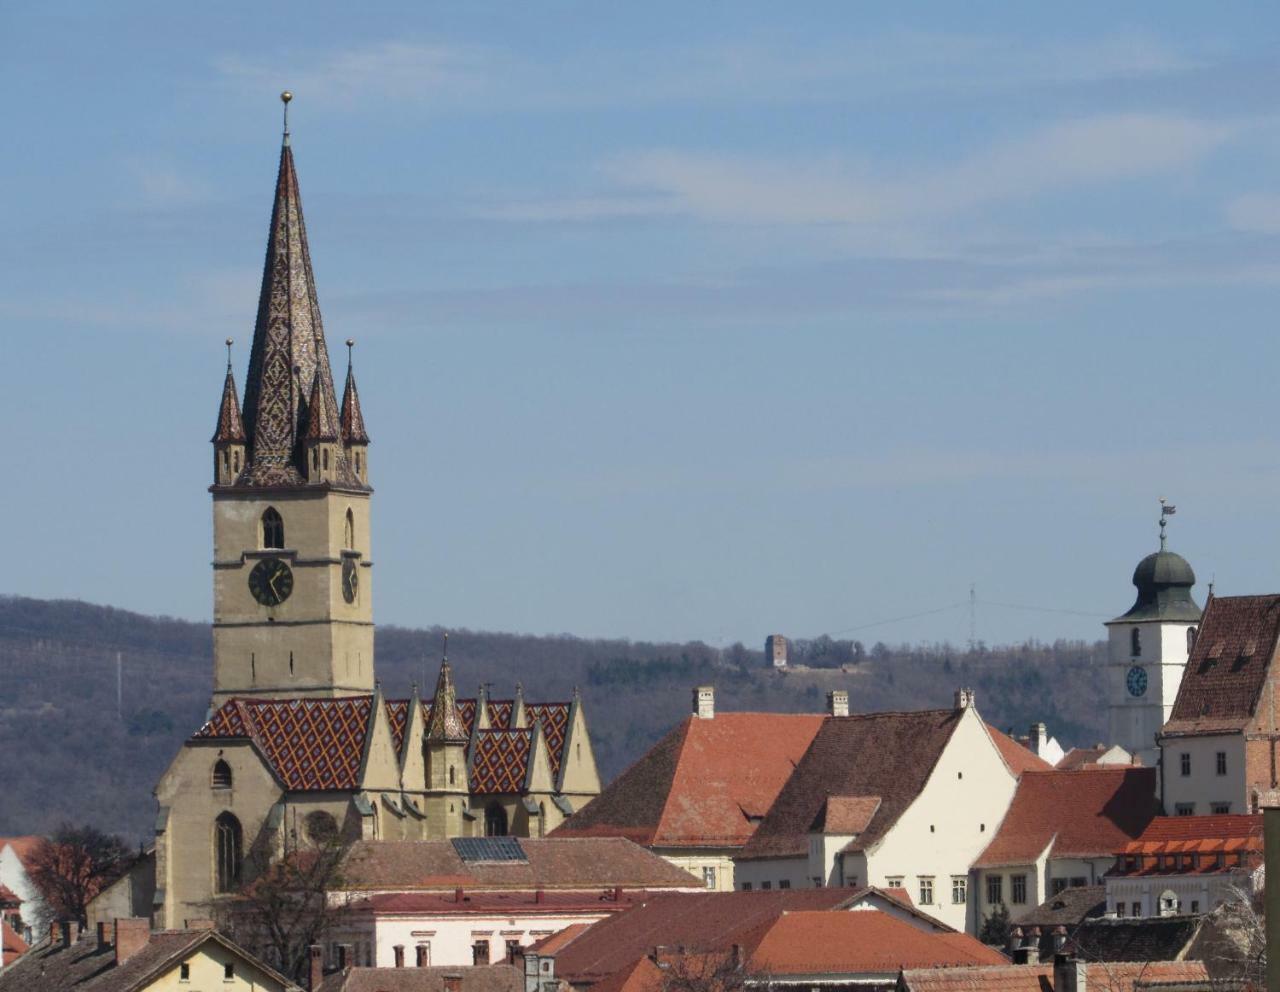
(1163, 580)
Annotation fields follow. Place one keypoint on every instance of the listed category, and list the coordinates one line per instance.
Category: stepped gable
(1086, 813)
(706, 783)
(1229, 666)
(316, 744)
(888, 755)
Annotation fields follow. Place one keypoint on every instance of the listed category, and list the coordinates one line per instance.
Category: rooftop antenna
(285, 97)
(1167, 510)
(973, 616)
(230, 342)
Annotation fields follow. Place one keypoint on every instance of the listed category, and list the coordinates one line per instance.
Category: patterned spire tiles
(230, 429)
(353, 431)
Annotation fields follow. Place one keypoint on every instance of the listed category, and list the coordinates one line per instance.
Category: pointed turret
(323, 453)
(355, 440)
(446, 747)
(446, 723)
(289, 359)
(228, 437)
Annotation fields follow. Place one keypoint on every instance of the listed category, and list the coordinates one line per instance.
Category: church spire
(353, 431)
(446, 723)
(289, 361)
(230, 427)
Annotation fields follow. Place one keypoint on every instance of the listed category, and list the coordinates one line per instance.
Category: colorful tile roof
(1229, 665)
(230, 428)
(353, 431)
(316, 744)
(554, 718)
(1183, 845)
(707, 783)
(1084, 813)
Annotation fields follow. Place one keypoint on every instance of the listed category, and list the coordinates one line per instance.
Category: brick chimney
(315, 971)
(68, 932)
(965, 698)
(838, 702)
(1037, 739)
(704, 702)
(398, 951)
(132, 934)
(453, 983)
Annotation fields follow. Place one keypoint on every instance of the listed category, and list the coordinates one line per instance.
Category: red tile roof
(1018, 757)
(643, 976)
(1223, 680)
(889, 755)
(703, 921)
(24, 847)
(1109, 977)
(845, 814)
(1237, 837)
(1079, 757)
(706, 783)
(865, 942)
(1085, 813)
(317, 744)
(14, 945)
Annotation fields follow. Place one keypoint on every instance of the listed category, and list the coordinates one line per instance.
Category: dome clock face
(1136, 681)
(271, 581)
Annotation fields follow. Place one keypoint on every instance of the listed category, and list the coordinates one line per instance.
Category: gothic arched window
(272, 528)
(1191, 639)
(495, 821)
(1135, 642)
(350, 535)
(228, 852)
(221, 775)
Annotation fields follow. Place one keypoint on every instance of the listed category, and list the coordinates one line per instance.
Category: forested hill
(73, 755)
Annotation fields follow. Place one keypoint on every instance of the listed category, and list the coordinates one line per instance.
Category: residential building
(1147, 648)
(1067, 909)
(697, 796)
(1065, 976)
(906, 800)
(790, 936)
(15, 874)
(1062, 830)
(483, 900)
(495, 978)
(1219, 743)
(1099, 754)
(302, 744)
(128, 956)
(1186, 864)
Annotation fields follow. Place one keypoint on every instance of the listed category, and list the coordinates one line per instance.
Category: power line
(909, 616)
(1043, 609)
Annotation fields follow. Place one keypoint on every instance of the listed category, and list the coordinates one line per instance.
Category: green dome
(1164, 582)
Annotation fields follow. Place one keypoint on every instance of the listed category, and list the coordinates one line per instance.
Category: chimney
(1037, 739)
(704, 702)
(103, 941)
(315, 973)
(838, 702)
(1059, 939)
(1032, 945)
(457, 894)
(538, 894)
(55, 932)
(736, 958)
(1068, 974)
(398, 950)
(453, 983)
(1015, 942)
(964, 699)
(66, 932)
(617, 893)
(132, 934)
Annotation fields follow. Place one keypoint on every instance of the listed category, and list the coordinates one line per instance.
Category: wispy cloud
(1255, 212)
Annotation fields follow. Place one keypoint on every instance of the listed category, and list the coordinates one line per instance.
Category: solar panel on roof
(489, 849)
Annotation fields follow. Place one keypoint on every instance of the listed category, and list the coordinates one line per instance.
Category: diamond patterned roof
(315, 744)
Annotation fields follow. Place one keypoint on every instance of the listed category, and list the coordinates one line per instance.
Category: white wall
(949, 824)
(1206, 891)
(697, 860)
(14, 875)
(1204, 785)
(778, 873)
(1134, 721)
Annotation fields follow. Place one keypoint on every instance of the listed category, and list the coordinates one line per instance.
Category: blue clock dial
(1136, 681)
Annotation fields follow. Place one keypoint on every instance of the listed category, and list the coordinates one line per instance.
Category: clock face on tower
(350, 579)
(271, 581)
(1136, 681)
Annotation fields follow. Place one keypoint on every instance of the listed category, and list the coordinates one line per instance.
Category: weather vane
(1167, 510)
(285, 97)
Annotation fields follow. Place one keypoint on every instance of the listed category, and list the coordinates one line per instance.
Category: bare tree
(711, 971)
(74, 865)
(290, 904)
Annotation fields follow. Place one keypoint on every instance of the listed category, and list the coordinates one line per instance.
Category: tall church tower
(292, 590)
(1148, 649)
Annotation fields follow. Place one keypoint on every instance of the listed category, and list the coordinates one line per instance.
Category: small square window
(228, 972)
(184, 972)
(766, 884)
(894, 883)
(1219, 809)
(1184, 809)
(746, 886)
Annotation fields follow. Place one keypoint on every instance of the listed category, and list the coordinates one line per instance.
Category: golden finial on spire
(230, 342)
(351, 343)
(285, 97)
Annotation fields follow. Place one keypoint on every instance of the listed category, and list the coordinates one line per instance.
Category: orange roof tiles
(1224, 677)
(1111, 976)
(861, 942)
(705, 784)
(1019, 758)
(1089, 812)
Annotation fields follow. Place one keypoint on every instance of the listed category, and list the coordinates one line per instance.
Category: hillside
(73, 755)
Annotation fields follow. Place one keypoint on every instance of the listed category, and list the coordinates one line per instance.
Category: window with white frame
(959, 889)
(709, 876)
(926, 890)
(893, 882)
(1018, 889)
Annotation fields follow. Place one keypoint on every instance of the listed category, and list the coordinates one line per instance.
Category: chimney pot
(965, 698)
(132, 934)
(398, 950)
(538, 894)
(452, 983)
(704, 702)
(315, 973)
(457, 894)
(617, 893)
(838, 702)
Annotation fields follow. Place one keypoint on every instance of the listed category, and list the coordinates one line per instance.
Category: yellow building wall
(207, 970)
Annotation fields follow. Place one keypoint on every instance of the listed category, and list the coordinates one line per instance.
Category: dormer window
(272, 528)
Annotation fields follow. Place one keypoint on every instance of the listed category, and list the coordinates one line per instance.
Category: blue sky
(674, 321)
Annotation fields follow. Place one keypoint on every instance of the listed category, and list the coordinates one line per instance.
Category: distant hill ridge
(74, 756)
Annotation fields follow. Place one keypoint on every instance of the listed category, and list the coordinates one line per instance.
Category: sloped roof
(1119, 977)
(823, 942)
(317, 744)
(230, 428)
(1090, 812)
(1161, 938)
(353, 431)
(889, 755)
(1202, 837)
(643, 976)
(1067, 908)
(1017, 756)
(706, 783)
(594, 863)
(845, 814)
(474, 978)
(701, 921)
(23, 847)
(1079, 757)
(1223, 679)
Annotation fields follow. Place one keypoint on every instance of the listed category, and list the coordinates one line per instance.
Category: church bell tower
(292, 589)
(1148, 648)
